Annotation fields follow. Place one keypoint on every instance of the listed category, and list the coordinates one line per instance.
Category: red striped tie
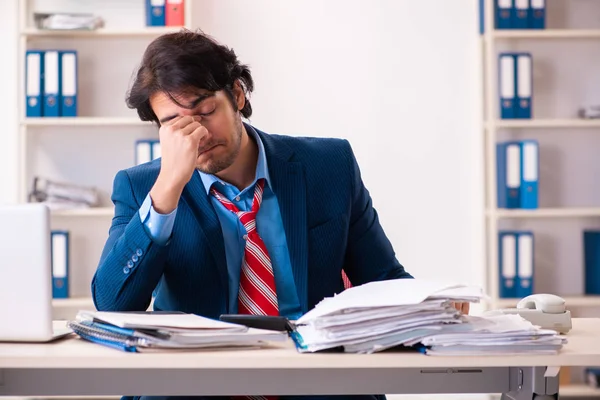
(257, 294)
(257, 283)
(347, 283)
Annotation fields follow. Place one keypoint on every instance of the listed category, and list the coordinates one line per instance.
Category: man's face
(219, 149)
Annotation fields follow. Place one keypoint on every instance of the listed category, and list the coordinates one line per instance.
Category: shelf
(85, 121)
(75, 302)
(143, 32)
(571, 301)
(84, 212)
(547, 212)
(578, 390)
(547, 123)
(546, 33)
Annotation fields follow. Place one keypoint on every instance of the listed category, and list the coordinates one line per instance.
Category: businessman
(232, 219)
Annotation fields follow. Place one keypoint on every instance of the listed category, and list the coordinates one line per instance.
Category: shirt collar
(262, 170)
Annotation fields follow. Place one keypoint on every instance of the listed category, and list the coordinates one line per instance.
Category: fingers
(190, 128)
(197, 134)
(181, 122)
(465, 308)
(462, 307)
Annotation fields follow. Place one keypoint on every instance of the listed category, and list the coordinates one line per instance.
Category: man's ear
(240, 97)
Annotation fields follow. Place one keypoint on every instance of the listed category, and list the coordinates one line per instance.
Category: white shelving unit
(579, 390)
(573, 301)
(548, 213)
(104, 122)
(547, 123)
(83, 121)
(546, 34)
(84, 212)
(144, 32)
(494, 41)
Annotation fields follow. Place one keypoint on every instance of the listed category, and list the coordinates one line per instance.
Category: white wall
(402, 83)
(8, 102)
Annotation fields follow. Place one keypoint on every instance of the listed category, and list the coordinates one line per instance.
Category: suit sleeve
(131, 263)
(370, 255)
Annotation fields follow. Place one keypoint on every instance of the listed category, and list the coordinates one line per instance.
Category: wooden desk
(76, 367)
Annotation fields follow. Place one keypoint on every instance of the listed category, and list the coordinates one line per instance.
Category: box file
(68, 103)
(174, 13)
(515, 263)
(538, 14)
(34, 83)
(529, 174)
(503, 12)
(508, 156)
(525, 264)
(524, 81)
(591, 261)
(506, 82)
(521, 15)
(52, 84)
(155, 12)
(507, 263)
(143, 151)
(60, 264)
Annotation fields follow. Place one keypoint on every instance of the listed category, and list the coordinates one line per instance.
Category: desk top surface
(583, 348)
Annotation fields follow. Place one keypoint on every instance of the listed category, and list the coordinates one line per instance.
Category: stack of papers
(495, 334)
(141, 332)
(68, 21)
(418, 313)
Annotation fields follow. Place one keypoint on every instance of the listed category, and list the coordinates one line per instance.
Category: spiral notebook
(153, 338)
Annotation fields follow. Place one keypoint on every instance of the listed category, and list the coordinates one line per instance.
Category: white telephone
(546, 310)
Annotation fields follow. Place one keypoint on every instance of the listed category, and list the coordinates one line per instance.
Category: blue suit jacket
(328, 219)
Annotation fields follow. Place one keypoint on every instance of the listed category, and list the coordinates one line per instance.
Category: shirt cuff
(159, 226)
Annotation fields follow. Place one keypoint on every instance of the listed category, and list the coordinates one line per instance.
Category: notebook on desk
(25, 275)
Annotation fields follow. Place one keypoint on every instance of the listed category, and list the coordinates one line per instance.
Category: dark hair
(183, 62)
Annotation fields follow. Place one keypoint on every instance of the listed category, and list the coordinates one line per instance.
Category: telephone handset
(547, 303)
(546, 310)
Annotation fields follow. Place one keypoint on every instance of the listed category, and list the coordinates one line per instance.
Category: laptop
(26, 275)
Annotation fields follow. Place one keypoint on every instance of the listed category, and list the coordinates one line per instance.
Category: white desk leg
(529, 383)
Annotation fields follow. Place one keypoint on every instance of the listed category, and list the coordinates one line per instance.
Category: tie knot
(247, 218)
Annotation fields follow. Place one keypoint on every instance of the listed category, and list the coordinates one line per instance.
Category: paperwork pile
(411, 312)
(142, 332)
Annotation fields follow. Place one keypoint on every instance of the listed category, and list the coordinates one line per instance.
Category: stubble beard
(214, 166)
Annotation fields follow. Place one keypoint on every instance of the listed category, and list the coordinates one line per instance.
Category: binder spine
(525, 264)
(174, 13)
(530, 174)
(52, 84)
(60, 264)
(155, 13)
(538, 14)
(507, 264)
(591, 258)
(143, 151)
(34, 83)
(521, 14)
(68, 95)
(503, 13)
(508, 174)
(524, 83)
(507, 85)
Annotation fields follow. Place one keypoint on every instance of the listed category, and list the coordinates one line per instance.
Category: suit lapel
(287, 179)
(196, 198)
